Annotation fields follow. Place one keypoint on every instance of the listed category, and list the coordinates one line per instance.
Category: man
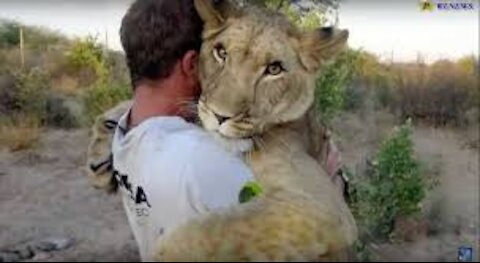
(168, 169)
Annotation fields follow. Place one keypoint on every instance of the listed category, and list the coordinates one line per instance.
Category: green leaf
(249, 191)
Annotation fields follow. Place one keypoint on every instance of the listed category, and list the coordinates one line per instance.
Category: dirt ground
(43, 192)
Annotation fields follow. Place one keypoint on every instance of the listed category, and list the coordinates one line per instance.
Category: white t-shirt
(169, 171)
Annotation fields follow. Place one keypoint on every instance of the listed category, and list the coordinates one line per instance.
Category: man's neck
(157, 99)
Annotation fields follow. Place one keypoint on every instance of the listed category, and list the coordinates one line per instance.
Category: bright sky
(386, 28)
(400, 29)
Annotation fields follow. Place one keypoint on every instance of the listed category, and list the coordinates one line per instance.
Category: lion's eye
(220, 53)
(274, 69)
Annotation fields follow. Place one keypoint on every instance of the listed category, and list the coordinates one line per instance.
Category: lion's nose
(221, 119)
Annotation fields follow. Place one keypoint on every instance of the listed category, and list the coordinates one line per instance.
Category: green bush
(331, 85)
(31, 91)
(9, 34)
(103, 96)
(22, 112)
(394, 186)
(87, 54)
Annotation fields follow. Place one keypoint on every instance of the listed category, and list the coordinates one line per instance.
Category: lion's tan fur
(300, 215)
(99, 149)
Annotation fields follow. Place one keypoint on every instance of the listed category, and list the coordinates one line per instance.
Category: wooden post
(106, 44)
(22, 55)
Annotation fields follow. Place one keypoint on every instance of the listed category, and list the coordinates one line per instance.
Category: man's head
(161, 38)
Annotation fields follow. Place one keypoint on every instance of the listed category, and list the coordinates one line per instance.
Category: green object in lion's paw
(249, 191)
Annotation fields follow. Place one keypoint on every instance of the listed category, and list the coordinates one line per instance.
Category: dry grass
(10, 59)
(19, 133)
(66, 85)
(439, 93)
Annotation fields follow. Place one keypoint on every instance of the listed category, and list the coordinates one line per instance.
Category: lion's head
(257, 69)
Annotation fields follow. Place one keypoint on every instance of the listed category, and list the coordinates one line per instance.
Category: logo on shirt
(136, 193)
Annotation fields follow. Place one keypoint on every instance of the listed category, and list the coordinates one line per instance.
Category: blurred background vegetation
(56, 81)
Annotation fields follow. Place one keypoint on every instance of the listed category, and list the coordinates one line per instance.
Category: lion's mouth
(227, 127)
(231, 137)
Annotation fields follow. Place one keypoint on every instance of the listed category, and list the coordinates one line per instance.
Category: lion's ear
(320, 46)
(215, 12)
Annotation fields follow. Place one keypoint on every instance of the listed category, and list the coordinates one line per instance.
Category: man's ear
(214, 12)
(321, 45)
(189, 65)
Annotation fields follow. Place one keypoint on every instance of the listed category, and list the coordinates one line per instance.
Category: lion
(258, 79)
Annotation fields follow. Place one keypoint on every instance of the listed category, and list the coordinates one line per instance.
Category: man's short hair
(156, 33)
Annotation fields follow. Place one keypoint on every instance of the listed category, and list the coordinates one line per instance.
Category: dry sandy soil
(43, 192)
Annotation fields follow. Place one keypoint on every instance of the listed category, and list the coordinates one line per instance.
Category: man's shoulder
(177, 134)
(177, 141)
(187, 146)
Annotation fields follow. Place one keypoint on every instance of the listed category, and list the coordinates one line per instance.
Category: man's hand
(326, 152)
(333, 165)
